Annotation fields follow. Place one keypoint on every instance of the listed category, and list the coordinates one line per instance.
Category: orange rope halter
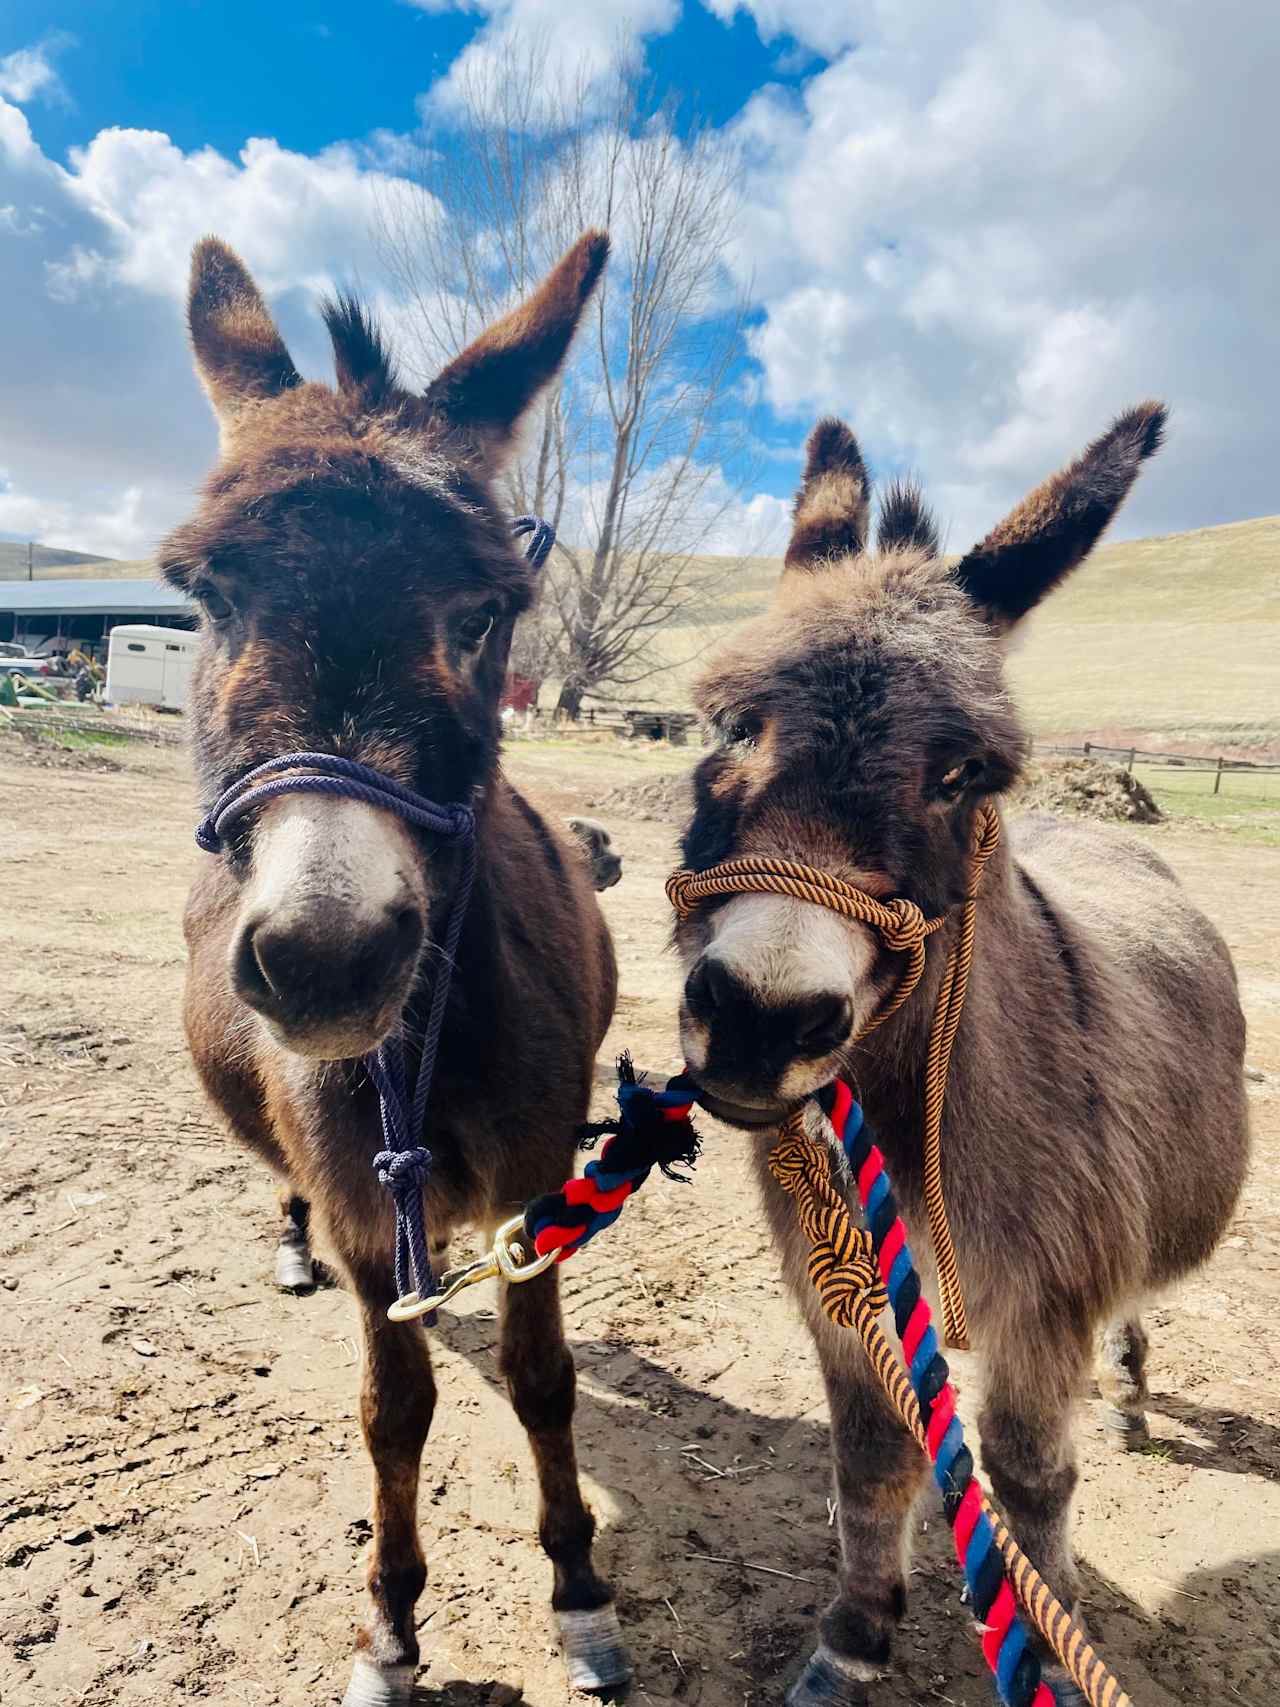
(903, 929)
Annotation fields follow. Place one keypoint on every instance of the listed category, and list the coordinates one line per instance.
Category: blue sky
(318, 73)
(976, 232)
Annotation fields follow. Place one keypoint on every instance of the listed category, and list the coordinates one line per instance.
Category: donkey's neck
(889, 1066)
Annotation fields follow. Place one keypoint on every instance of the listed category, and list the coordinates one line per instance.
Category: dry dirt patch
(183, 1493)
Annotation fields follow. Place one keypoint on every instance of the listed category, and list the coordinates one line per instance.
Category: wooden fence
(1127, 758)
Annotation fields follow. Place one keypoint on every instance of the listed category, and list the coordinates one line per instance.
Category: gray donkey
(1095, 1135)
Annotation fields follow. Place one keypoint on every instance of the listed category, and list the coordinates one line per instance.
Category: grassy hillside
(49, 562)
(1175, 638)
(1154, 640)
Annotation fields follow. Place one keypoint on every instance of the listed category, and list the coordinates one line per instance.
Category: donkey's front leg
(295, 1271)
(397, 1399)
(878, 1473)
(540, 1378)
(1032, 1385)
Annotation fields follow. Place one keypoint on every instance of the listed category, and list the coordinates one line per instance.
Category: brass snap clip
(507, 1260)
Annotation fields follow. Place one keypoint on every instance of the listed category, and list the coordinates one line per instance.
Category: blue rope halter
(404, 1165)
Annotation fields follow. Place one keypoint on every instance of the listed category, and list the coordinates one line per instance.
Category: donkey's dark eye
(744, 731)
(474, 629)
(953, 782)
(217, 606)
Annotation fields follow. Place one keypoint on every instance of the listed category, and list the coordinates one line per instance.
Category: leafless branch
(627, 453)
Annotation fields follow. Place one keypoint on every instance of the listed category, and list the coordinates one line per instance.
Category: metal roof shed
(38, 611)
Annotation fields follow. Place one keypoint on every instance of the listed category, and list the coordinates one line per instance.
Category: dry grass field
(1172, 640)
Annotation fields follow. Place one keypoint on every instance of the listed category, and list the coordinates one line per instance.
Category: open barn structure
(53, 615)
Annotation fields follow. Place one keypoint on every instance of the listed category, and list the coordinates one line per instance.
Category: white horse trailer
(148, 665)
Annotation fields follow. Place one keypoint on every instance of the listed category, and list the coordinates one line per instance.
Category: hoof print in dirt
(379, 1686)
(595, 1654)
(828, 1680)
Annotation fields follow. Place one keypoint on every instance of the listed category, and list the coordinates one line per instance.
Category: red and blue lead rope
(652, 1130)
(1006, 1643)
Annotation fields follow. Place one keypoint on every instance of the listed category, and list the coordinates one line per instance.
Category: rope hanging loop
(1000, 1576)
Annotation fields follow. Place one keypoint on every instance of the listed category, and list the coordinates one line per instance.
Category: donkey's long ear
(834, 500)
(484, 391)
(240, 356)
(1059, 523)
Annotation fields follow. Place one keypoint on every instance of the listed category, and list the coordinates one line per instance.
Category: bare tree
(627, 456)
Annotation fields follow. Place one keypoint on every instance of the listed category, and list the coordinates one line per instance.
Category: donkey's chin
(750, 1106)
(334, 1038)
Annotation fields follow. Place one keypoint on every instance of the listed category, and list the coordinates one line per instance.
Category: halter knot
(402, 1171)
(462, 820)
(841, 1262)
(906, 927)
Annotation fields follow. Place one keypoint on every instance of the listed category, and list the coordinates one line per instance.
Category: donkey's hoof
(1126, 1431)
(594, 1651)
(832, 1680)
(379, 1686)
(294, 1272)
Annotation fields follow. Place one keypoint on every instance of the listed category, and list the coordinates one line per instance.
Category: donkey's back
(1158, 1004)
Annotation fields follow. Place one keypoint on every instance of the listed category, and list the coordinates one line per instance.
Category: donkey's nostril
(250, 974)
(822, 1024)
(709, 987)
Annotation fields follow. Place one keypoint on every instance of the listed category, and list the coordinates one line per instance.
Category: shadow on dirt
(1215, 1637)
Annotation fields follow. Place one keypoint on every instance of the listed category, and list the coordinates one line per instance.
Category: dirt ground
(183, 1490)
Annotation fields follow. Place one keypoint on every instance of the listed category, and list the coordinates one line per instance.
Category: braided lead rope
(902, 928)
(653, 1129)
(996, 1569)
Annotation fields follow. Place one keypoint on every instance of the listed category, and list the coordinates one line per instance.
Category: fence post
(1133, 753)
(1087, 746)
(1217, 781)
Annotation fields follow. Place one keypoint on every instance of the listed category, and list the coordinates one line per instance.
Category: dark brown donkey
(1095, 1137)
(358, 587)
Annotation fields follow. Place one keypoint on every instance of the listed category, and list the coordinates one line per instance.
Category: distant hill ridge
(50, 563)
(1175, 636)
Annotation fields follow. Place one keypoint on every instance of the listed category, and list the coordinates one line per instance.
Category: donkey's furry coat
(1095, 1136)
(359, 588)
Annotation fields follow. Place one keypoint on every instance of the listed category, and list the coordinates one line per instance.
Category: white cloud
(750, 527)
(826, 27)
(576, 39)
(104, 431)
(985, 228)
(297, 219)
(122, 528)
(29, 73)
